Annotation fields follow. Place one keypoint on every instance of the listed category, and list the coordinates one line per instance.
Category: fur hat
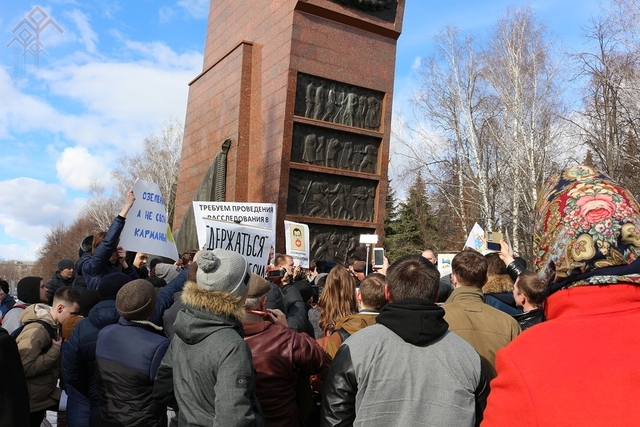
(223, 271)
(109, 285)
(587, 231)
(258, 286)
(29, 289)
(136, 300)
(64, 263)
(167, 272)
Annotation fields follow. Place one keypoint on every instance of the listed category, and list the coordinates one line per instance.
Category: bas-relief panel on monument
(318, 146)
(331, 196)
(383, 9)
(334, 102)
(335, 243)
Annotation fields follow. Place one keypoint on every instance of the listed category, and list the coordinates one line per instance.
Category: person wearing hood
(407, 369)
(579, 367)
(218, 389)
(39, 347)
(31, 290)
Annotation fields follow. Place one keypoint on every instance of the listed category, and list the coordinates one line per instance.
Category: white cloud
(195, 8)
(28, 210)
(77, 169)
(417, 62)
(166, 14)
(18, 252)
(33, 203)
(87, 36)
(121, 102)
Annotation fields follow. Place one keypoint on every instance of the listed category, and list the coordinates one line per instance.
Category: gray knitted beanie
(223, 271)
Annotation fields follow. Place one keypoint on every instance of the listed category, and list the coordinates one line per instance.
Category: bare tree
(523, 72)
(486, 122)
(609, 120)
(101, 208)
(158, 162)
(62, 242)
(448, 139)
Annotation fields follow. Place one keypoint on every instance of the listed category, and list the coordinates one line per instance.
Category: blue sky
(119, 69)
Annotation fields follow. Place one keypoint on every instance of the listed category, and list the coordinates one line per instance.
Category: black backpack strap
(47, 326)
(343, 334)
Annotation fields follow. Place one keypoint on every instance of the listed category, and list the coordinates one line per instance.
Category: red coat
(580, 368)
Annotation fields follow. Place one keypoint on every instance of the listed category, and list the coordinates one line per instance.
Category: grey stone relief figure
(334, 150)
(328, 196)
(212, 189)
(338, 103)
(334, 243)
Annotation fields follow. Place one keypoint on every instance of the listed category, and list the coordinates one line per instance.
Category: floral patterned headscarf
(587, 231)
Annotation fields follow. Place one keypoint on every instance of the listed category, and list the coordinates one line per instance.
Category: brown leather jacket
(280, 356)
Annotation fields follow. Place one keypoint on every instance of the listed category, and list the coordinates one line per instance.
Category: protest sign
(297, 242)
(256, 214)
(250, 241)
(444, 264)
(146, 229)
(476, 239)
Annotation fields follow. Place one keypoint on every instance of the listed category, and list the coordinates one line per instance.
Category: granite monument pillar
(303, 90)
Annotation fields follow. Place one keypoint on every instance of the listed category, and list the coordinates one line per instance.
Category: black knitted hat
(109, 285)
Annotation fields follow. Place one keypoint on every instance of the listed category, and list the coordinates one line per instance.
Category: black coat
(530, 318)
(56, 282)
(14, 396)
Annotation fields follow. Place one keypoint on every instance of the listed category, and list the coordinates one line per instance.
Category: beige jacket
(40, 368)
(484, 327)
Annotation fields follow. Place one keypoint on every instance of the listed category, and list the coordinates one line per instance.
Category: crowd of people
(134, 341)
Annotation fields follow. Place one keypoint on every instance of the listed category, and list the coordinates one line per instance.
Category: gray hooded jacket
(208, 367)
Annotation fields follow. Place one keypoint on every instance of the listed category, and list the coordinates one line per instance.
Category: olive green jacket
(487, 329)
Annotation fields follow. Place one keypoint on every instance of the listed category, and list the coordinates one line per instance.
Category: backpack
(14, 305)
(47, 326)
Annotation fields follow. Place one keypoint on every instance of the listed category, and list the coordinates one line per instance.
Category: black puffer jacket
(56, 282)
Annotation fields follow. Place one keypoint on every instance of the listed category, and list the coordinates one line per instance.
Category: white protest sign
(251, 242)
(257, 214)
(444, 264)
(297, 242)
(146, 229)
